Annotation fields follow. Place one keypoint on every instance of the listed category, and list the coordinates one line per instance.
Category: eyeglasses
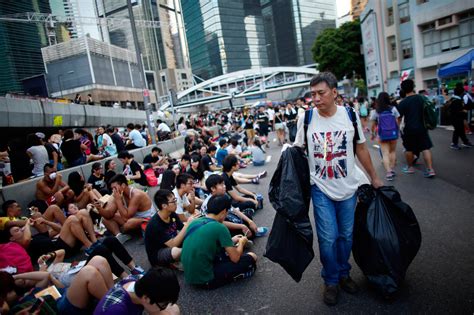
(173, 201)
(190, 183)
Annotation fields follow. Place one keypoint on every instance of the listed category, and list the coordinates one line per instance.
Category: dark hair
(68, 134)
(138, 126)
(130, 126)
(458, 90)
(213, 181)
(234, 142)
(186, 157)
(182, 179)
(32, 140)
(217, 204)
(212, 148)
(124, 155)
(222, 142)
(161, 197)
(258, 143)
(7, 205)
(168, 181)
(119, 178)
(110, 130)
(7, 284)
(107, 164)
(156, 149)
(76, 183)
(407, 85)
(383, 102)
(159, 285)
(228, 162)
(47, 166)
(159, 121)
(326, 77)
(40, 204)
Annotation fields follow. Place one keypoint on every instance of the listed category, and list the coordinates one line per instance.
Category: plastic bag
(387, 237)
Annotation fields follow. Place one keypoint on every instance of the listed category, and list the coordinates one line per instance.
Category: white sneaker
(123, 238)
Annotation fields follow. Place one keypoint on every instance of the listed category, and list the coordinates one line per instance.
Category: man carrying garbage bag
(334, 137)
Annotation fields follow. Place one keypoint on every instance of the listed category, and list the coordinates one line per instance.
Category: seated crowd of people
(199, 221)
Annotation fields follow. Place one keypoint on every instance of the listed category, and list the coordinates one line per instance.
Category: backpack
(352, 116)
(388, 127)
(430, 117)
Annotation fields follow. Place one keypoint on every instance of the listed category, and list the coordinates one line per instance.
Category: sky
(342, 7)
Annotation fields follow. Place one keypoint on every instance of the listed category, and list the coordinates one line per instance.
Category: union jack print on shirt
(330, 154)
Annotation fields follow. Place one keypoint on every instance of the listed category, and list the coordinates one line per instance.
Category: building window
(407, 50)
(447, 39)
(390, 19)
(183, 76)
(404, 12)
(392, 48)
(421, 1)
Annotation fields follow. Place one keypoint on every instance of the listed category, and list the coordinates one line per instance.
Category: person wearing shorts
(164, 233)
(209, 257)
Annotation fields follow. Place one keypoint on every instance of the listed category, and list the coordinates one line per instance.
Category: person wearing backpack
(363, 112)
(415, 134)
(334, 138)
(385, 121)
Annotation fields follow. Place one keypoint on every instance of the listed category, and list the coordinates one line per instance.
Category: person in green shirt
(209, 256)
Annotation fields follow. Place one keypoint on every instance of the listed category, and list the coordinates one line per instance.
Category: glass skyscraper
(226, 36)
(20, 44)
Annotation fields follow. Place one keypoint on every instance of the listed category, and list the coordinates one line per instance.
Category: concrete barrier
(24, 192)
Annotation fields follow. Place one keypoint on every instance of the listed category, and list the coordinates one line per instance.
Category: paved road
(439, 280)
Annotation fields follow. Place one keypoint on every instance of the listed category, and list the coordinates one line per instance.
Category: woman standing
(280, 126)
(385, 121)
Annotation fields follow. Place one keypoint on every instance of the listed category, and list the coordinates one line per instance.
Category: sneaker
(429, 173)
(454, 147)
(330, 294)
(408, 169)
(137, 270)
(123, 238)
(256, 180)
(466, 145)
(262, 174)
(261, 231)
(88, 251)
(348, 285)
(390, 176)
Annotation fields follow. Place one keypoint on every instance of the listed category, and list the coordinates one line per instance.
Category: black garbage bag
(387, 237)
(290, 243)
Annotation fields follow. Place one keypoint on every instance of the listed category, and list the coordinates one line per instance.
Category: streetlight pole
(146, 93)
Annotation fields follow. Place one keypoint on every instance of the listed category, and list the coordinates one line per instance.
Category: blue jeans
(334, 224)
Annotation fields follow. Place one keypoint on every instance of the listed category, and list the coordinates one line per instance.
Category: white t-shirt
(234, 150)
(271, 114)
(163, 127)
(181, 202)
(39, 155)
(331, 153)
(137, 138)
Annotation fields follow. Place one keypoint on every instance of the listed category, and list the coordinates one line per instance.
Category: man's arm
(235, 196)
(236, 252)
(364, 158)
(129, 212)
(191, 207)
(177, 241)
(244, 191)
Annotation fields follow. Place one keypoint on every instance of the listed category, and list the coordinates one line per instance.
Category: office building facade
(164, 50)
(226, 36)
(413, 38)
(20, 44)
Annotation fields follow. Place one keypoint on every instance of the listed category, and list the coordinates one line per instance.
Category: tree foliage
(338, 50)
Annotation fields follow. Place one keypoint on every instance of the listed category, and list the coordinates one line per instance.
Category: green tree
(338, 50)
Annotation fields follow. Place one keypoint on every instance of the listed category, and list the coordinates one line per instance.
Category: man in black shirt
(165, 232)
(415, 136)
(207, 163)
(249, 200)
(290, 116)
(262, 120)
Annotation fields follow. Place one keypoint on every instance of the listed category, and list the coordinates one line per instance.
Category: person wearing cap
(37, 153)
(156, 292)
(210, 256)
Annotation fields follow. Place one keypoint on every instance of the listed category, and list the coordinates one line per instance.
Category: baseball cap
(40, 135)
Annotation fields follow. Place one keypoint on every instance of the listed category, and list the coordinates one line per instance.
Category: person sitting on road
(52, 189)
(198, 175)
(13, 217)
(222, 151)
(156, 292)
(238, 222)
(184, 163)
(155, 159)
(165, 232)
(135, 139)
(208, 162)
(127, 210)
(131, 169)
(186, 197)
(249, 200)
(72, 236)
(97, 179)
(83, 193)
(258, 153)
(209, 256)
